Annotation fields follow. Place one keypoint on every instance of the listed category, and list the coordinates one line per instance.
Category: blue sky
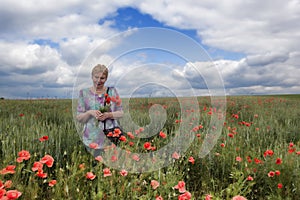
(131, 17)
(253, 46)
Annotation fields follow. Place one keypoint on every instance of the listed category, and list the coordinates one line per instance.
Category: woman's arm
(110, 115)
(84, 117)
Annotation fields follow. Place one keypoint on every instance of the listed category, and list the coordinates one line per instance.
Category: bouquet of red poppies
(105, 107)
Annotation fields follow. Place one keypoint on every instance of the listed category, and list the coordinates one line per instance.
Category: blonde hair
(100, 69)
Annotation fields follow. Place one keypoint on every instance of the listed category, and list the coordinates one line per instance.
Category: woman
(88, 110)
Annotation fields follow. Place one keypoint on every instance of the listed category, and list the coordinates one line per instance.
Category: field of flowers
(257, 155)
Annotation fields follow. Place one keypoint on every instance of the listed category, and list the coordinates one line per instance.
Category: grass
(253, 125)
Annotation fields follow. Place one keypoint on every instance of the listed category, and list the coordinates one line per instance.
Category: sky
(152, 47)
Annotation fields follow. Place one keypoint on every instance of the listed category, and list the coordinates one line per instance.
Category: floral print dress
(93, 131)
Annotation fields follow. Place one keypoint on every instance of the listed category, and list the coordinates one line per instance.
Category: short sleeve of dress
(81, 104)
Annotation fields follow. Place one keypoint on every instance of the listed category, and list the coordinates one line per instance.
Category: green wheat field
(257, 155)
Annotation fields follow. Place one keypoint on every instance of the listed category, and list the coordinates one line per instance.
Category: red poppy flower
(291, 150)
(268, 153)
(123, 138)
(159, 198)
(278, 161)
(162, 134)
(249, 159)
(271, 174)
(191, 160)
(195, 129)
(44, 138)
(13, 194)
(110, 134)
(154, 184)
(52, 183)
(90, 176)
(82, 166)
(135, 157)
(131, 144)
(238, 159)
(279, 185)
(7, 184)
(235, 116)
(99, 158)
(175, 155)
(41, 174)
(185, 196)
(277, 172)
(9, 169)
(238, 197)
(2, 192)
(108, 99)
(147, 145)
(118, 102)
(208, 197)
(249, 178)
(113, 99)
(93, 145)
(257, 161)
(123, 172)
(130, 135)
(114, 158)
(48, 160)
(247, 124)
(106, 172)
(23, 155)
(117, 132)
(37, 166)
(180, 186)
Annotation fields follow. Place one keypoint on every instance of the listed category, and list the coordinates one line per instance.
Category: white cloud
(22, 57)
(242, 26)
(239, 77)
(267, 32)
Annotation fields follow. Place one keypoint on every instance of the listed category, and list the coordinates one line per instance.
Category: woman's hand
(104, 116)
(84, 117)
(94, 113)
(99, 115)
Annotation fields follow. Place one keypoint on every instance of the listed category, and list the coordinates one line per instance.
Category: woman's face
(99, 79)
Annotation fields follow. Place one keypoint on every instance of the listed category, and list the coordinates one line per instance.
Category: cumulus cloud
(43, 44)
(265, 59)
(280, 75)
(31, 65)
(27, 58)
(250, 27)
(241, 77)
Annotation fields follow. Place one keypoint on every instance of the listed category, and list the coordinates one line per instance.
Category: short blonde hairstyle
(100, 69)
